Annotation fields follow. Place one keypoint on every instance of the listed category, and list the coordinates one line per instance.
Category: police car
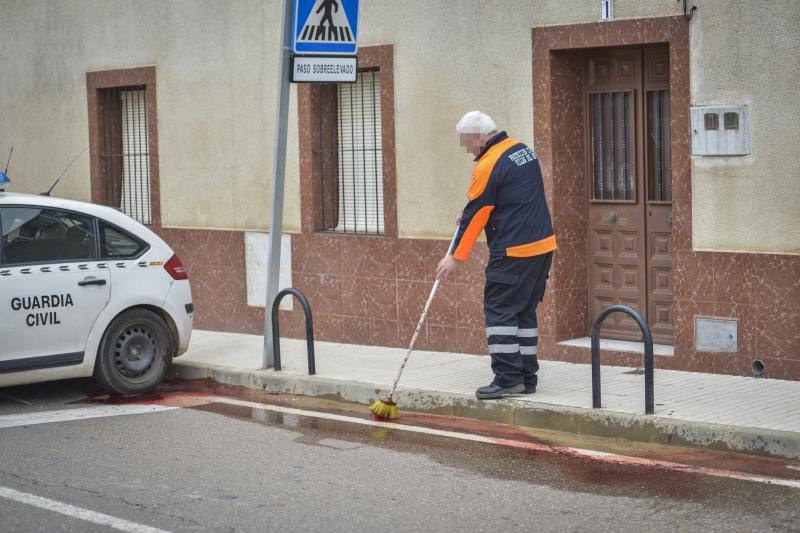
(86, 290)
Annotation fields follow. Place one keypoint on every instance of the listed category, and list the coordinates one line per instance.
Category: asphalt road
(216, 466)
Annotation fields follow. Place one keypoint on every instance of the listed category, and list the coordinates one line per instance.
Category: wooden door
(630, 254)
(658, 208)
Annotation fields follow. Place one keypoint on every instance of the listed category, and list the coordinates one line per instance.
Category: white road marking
(581, 452)
(592, 453)
(78, 413)
(362, 421)
(76, 512)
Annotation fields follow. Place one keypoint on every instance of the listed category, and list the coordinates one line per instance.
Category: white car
(87, 290)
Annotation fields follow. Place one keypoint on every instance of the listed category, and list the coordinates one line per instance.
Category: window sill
(351, 233)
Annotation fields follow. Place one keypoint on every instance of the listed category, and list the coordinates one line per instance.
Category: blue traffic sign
(328, 27)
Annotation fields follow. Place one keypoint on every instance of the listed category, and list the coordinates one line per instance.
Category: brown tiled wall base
(362, 289)
(216, 265)
(371, 290)
(760, 291)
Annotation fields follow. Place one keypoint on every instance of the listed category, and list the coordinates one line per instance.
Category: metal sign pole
(278, 178)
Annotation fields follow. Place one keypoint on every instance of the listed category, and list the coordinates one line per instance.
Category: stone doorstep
(601, 423)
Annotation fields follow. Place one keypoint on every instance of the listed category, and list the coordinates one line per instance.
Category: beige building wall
(741, 53)
(749, 53)
(454, 57)
(216, 67)
(216, 79)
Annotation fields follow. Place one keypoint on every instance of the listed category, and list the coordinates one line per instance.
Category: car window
(115, 243)
(37, 235)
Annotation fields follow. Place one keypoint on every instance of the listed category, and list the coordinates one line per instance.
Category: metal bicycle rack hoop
(276, 337)
(649, 402)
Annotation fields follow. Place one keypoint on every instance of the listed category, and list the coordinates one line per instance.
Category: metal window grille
(612, 145)
(125, 157)
(658, 146)
(350, 159)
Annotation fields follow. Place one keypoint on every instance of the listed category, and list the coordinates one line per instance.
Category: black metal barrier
(276, 337)
(649, 402)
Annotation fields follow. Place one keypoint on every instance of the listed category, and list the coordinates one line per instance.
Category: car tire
(135, 353)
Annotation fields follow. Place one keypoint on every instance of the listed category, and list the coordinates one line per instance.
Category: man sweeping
(506, 199)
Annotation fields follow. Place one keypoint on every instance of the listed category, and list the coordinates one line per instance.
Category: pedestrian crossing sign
(326, 27)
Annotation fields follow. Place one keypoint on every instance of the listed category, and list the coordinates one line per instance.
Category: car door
(52, 287)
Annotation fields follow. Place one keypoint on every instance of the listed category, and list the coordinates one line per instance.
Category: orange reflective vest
(506, 199)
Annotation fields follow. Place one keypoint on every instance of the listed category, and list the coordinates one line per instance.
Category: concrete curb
(600, 423)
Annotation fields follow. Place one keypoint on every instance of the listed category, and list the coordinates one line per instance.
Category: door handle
(91, 281)
(669, 217)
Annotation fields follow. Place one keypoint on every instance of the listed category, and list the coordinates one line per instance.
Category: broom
(387, 408)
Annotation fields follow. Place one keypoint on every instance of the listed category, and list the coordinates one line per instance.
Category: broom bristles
(385, 409)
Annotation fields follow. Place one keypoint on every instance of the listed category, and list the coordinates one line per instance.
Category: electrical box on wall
(720, 130)
(715, 334)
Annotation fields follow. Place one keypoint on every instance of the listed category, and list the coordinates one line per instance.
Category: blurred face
(471, 142)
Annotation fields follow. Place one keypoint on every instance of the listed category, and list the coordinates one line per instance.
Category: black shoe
(490, 392)
(529, 389)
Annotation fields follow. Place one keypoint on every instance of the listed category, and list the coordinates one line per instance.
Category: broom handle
(421, 321)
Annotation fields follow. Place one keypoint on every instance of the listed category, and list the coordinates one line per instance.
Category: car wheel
(135, 353)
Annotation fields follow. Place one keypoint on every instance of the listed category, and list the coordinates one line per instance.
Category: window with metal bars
(348, 157)
(659, 157)
(124, 156)
(613, 151)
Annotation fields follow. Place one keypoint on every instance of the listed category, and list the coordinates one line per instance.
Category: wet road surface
(220, 461)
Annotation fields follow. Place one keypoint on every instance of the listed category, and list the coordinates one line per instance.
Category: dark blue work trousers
(514, 288)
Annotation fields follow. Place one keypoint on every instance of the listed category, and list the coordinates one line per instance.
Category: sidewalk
(753, 415)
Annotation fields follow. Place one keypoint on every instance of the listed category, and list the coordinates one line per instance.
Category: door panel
(658, 158)
(48, 313)
(630, 245)
(616, 231)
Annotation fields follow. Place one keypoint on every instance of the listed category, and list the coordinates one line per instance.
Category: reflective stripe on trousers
(514, 288)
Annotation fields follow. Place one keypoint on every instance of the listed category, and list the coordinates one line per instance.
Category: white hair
(476, 122)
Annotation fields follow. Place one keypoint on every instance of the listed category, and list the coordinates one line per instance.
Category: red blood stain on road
(653, 465)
